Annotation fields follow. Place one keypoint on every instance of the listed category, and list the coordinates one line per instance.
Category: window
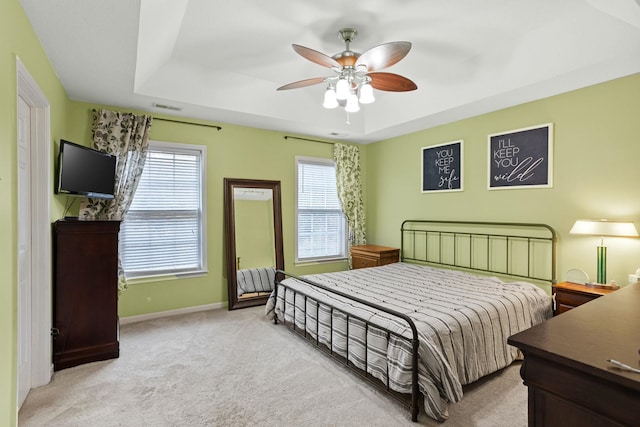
(164, 230)
(321, 225)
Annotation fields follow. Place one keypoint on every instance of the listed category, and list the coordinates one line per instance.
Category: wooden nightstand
(569, 295)
(363, 256)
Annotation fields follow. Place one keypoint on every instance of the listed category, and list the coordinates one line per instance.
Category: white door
(24, 250)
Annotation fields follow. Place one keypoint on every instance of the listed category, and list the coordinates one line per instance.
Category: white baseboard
(168, 313)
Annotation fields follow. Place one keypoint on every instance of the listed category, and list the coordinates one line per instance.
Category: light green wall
(596, 153)
(233, 152)
(17, 39)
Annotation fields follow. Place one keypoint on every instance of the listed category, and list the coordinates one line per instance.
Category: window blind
(321, 225)
(162, 232)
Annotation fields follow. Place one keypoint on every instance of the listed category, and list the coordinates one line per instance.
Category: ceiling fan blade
(303, 83)
(384, 55)
(315, 56)
(391, 82)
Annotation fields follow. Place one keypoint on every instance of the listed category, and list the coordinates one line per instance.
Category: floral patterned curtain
(125, 135)
(347, 158)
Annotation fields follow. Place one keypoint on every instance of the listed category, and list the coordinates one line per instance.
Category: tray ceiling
(223, 60)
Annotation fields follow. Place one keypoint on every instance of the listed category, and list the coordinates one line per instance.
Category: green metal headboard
(524, 250)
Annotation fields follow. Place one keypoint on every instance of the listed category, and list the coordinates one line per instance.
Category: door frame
(41, 274)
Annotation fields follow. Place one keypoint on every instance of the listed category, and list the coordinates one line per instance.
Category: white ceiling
(223, 60)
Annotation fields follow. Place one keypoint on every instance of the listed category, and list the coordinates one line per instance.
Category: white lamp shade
(604, 227)
(352, 104)
(366, 94)
(330, 100)
(342, 89)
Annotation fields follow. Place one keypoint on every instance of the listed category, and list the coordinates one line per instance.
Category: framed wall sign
(521, 158)
(442, 167)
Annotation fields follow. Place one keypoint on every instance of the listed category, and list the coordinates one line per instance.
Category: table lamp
(603, 227)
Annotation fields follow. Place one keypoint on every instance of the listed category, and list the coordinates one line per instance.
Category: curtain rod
(179, 121)
(306, 139)
(187, 123)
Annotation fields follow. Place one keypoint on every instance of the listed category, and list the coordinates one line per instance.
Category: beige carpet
(221, 368)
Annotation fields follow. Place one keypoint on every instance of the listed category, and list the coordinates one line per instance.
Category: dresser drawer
(573, 299)
(359, 262)
(561, 308)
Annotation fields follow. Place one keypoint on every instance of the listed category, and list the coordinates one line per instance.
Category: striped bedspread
(463, 323)
(255, 280)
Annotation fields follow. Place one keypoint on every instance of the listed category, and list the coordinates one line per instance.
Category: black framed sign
(521, 158)
(442, 167)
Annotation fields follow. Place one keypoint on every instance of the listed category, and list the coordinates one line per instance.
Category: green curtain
(347, 159)
(125, 135)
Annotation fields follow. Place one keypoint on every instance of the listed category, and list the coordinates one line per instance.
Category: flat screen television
(83, 171)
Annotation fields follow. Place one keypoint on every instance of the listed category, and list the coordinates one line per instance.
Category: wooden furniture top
(585, 337)
(576, 287)
(373, 248)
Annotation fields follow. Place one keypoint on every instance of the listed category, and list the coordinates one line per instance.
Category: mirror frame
(230, 236)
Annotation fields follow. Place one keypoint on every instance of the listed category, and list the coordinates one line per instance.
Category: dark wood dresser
(565, 366)
(363, 256)
(85, 292)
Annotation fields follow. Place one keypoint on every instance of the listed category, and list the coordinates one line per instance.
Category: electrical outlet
(633, 278)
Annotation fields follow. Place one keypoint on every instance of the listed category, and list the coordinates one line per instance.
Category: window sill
(165, 277)
(320, 262)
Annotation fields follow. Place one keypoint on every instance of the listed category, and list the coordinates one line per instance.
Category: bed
(437, 320)
(255, 280)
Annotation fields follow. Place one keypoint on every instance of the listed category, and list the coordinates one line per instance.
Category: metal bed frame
(476, 237)
(448, 238)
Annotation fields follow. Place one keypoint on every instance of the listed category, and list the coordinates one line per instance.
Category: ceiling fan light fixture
(366, 93)
(352, 104)
(342, 88)
(356, 73)
(330, 99)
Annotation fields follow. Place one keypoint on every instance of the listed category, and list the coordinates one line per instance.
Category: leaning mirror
(253, 225)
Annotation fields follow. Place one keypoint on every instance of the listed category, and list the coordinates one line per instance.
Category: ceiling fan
(356, 74)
